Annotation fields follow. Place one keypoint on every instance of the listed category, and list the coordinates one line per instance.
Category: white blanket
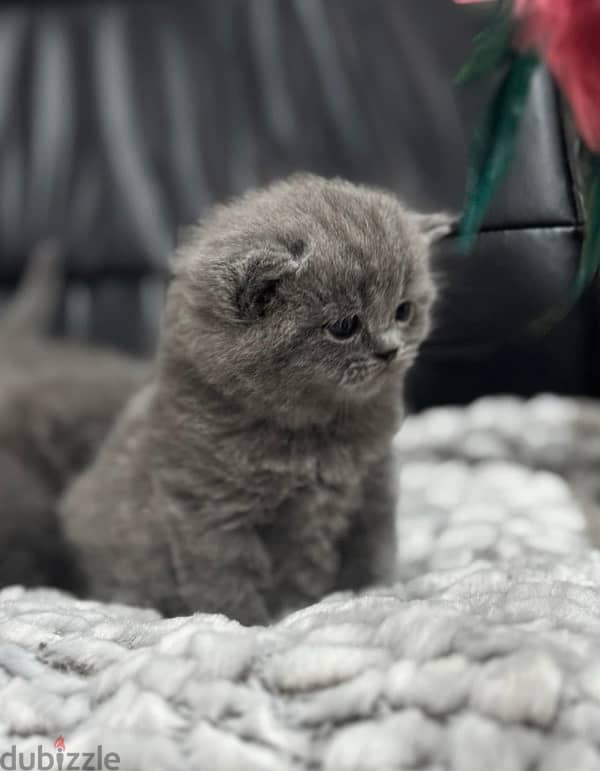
(485, 655)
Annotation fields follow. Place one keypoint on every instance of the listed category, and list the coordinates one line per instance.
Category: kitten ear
(437, 225)
(259, 278)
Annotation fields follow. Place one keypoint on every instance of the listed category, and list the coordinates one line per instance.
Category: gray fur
(252, 475)
(57, 402)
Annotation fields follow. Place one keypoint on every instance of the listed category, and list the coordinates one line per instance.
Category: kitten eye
(296, 248)
(344, 328)
(404, 311)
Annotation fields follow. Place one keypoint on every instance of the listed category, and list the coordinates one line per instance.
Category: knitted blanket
(485, 655)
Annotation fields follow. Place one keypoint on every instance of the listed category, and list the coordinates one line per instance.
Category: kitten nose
(387, 355)
(386, 345)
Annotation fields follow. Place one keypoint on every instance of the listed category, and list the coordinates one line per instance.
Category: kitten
(57, 402)
(254, 474)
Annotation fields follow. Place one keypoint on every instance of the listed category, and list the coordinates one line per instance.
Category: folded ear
(437, 225)
(258, 279)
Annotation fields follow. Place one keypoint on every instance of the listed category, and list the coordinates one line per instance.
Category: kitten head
(307, 293)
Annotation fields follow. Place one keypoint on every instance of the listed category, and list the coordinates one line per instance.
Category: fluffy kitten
(57, 402)
(254, 475)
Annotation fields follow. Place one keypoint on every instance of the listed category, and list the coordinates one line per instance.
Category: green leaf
(495, 143)
(492, 47)
(590, 256)
(589, 263)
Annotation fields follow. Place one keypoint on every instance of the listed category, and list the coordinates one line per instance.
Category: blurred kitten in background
(57, 402)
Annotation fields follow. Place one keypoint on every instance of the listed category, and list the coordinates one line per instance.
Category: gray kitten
(57, 402)
(254, 474)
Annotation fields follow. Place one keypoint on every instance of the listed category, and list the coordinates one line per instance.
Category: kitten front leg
(222, 570)
(369, 550)
(303, 548)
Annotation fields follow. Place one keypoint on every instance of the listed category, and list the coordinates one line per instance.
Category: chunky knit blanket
(485, 655)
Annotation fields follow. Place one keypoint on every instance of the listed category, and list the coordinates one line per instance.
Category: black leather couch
(121, 121)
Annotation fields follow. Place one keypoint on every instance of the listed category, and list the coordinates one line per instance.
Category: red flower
(567, 33)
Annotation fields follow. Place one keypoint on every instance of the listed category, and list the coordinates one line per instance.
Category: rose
(567, 34)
